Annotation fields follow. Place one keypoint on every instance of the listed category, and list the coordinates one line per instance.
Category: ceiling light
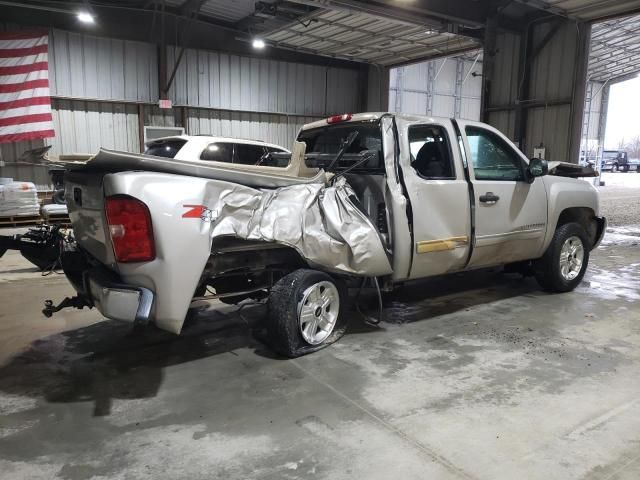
(85, 17)
(258, 43)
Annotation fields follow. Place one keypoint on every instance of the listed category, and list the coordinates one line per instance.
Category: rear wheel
(307, 312)
(564, 263)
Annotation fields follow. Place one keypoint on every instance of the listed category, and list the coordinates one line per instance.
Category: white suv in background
(208, 149)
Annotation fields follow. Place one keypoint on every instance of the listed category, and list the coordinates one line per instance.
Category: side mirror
(537, 168)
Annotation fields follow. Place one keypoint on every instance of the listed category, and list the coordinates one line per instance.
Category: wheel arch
(584, 216)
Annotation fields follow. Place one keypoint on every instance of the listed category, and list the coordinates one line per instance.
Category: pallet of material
(58, 218)
(19, 220)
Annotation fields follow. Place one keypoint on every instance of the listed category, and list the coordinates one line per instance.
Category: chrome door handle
(489, 197)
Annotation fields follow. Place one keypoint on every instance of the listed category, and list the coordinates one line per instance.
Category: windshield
(329, 140)
(165, 148)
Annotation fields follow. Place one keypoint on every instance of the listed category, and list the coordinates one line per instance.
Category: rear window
(165, 148)
(329, 140)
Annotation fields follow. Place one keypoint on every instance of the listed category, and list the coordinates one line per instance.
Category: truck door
(439, 194)
(510, 212)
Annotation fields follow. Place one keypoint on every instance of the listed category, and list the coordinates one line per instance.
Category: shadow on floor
(107, 360)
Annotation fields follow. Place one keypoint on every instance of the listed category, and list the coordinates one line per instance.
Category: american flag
(25, 106)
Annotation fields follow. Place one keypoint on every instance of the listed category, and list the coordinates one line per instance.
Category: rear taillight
(130, 228)
(345, 117)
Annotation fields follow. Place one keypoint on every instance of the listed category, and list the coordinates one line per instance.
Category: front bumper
(118, 301)
(601, 228)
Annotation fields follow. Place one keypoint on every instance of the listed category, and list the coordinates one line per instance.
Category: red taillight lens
(130, 229)
(345, 117)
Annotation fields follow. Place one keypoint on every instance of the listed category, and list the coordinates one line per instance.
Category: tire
(614, 167)
(625, 168)
(553, 273)
(297, 322)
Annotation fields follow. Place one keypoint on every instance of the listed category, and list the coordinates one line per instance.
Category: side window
(275, 162)
(430, 152)
(218, 152)
(492, 157)
(249, 154)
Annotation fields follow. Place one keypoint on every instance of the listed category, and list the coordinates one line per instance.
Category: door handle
(489, 197)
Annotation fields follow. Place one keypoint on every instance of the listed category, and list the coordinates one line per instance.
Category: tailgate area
(84, 195)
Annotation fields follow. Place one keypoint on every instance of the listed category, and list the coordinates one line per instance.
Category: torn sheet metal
(320, 222)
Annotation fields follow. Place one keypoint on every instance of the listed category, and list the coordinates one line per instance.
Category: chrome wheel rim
(318, 312)
(571, 258)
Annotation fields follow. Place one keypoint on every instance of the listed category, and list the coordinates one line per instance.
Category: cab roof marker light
(345, 117)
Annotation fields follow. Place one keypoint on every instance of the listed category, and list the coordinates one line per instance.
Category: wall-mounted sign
(164, 103)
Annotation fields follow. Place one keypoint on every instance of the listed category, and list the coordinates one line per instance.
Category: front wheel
(307, 312)
(565, 262)
(614, 167)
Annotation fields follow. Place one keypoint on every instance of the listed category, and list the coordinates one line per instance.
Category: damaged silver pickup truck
(373, 197)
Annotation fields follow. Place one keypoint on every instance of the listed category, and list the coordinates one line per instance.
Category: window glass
(329, 140)
(270, 161)
(430, 152)
(165, 148)
(218, 152)
(249, 154)
(492, 157)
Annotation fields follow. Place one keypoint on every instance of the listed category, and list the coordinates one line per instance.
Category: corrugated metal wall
(440, 88)
(84, 66)
(278, 129)
(231, 82)
(504, 91)
(98, 83)
(552, 86)
(85, 126)
(552, 79)
(592, 111)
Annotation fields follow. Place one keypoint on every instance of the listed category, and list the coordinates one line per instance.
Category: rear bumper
(118, 301)
(601, 223)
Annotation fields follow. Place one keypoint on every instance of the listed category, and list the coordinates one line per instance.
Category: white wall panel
(411, 85)
(85, 126)
(223, 81)
(10, 153)
(83, 66)
(279, 129)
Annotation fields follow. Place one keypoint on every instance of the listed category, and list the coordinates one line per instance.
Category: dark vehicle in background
(618, 160)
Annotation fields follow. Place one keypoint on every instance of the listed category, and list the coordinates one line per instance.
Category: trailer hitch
(74, 302)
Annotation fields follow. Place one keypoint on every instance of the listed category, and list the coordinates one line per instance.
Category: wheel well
(583, 216)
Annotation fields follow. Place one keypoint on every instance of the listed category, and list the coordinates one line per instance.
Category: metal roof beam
(625, 77)
(434, 13)
(546, 7)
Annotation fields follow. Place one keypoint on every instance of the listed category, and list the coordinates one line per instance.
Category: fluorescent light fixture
(85, 17)
(258, 43)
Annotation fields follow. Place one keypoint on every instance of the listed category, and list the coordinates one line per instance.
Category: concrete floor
(481, 376)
